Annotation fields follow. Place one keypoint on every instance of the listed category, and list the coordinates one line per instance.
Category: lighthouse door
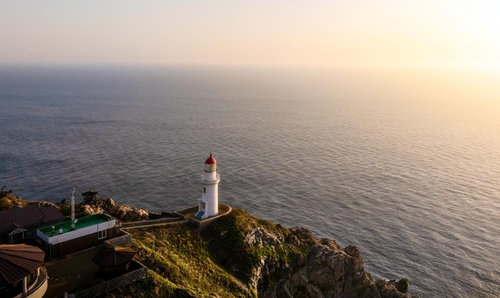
(201, 210)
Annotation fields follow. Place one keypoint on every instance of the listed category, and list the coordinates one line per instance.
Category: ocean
(404, 164)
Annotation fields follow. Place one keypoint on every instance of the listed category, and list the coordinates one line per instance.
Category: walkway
(154, 224)
(187, 212)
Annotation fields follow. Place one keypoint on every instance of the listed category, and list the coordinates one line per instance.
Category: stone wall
(122, 240)
(140, 272)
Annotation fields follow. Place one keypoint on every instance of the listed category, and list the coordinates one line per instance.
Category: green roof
(81, 223)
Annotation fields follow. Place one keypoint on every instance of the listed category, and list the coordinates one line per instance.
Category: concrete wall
(123, 239)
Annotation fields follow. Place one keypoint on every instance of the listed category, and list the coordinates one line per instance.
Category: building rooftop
(18, 261)
(211, 160)
(19, 217)
(82, 222)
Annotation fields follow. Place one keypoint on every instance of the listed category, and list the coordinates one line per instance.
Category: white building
(209, 202)
(62, 239)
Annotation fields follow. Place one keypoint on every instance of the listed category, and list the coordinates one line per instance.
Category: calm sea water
(404, 165)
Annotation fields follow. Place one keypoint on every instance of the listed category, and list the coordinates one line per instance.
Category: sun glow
(452, 34)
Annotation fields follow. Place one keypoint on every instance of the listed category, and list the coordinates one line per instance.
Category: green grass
(178, 255)
(153, 286)
(226, 243)
(215, 262)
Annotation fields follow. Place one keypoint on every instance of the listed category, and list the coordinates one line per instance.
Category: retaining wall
(122, 240)
(201, 223)
(109, 285)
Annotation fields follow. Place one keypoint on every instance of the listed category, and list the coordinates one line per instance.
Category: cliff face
(292, 263)
(326, 271)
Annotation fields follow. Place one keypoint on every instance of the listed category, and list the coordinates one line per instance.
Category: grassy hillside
(215, 262)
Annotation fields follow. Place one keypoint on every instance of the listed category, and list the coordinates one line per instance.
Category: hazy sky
(386, 32)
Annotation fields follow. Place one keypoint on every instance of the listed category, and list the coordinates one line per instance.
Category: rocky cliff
(293, 263)
(326, 270)
(239, 255)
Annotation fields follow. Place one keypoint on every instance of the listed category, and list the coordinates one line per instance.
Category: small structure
(19, 224)
(22, 273)
(115, 260)
(89, 196)
(60, 240)
(209, 202)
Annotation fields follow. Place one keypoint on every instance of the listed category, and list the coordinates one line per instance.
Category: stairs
(199, 214)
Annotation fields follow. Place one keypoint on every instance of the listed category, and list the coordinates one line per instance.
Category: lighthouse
(209, 202)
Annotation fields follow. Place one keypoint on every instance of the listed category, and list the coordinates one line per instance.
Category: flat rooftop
(82, 222)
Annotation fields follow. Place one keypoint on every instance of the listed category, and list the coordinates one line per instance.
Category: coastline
(263, 258)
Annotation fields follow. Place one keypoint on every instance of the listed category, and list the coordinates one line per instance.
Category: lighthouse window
(204, 190)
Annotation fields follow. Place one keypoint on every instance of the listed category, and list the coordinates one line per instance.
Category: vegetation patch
(215, 262)
(153, 286)
(180, 261)
(225, 239)
(8, 200)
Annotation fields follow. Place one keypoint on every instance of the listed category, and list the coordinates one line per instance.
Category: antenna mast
(73, 220)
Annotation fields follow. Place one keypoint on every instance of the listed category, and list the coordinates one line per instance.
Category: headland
(233, 255)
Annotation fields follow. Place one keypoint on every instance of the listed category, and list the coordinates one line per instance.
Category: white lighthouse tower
(209, 202)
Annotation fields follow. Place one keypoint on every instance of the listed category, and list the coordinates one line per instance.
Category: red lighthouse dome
(210, 164)
(210, 160)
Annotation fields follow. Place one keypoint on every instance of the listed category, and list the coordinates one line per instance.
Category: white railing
(217, 178)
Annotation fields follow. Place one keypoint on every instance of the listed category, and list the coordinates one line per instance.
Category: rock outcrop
(293, 263)
(120, 211)
(326, 271)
